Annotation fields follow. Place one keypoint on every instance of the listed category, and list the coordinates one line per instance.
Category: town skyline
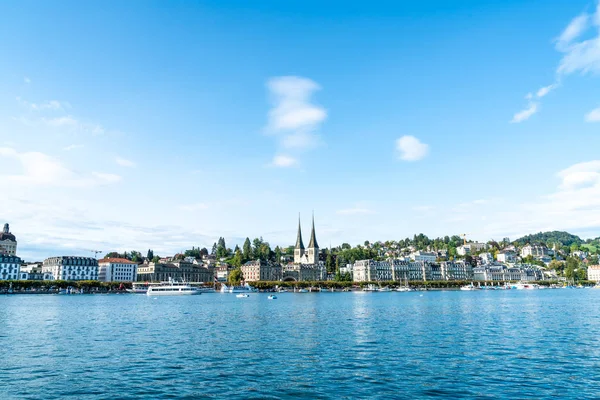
(124, 141)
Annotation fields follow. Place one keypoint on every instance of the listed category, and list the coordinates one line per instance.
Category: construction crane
(96, 252)
(464, 236)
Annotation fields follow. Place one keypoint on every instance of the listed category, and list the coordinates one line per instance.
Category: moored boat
(172, 288)
(238, 289)
(242, 295)
(272, 297)
(470, 287)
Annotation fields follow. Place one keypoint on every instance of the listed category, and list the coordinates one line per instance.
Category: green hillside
(564, 238)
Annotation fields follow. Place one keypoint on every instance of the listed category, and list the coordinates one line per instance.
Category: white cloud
(39, 169)
(575, 28)
(294, 119)
(73, 147)
(125, 163)
(284, 161)
(582, 56)
(62, 121)
(73, 124)
(525, 114)
(48, 105)
(593, 116)
(194, 207)
(410, 148)
(355, 211)
(292, 107)
(545, 90)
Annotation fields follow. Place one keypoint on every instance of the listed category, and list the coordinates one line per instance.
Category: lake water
(497, 344)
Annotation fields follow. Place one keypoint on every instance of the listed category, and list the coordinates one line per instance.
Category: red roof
(115, 261)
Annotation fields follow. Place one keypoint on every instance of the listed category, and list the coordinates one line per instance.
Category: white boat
(370, 288)
(238, 289)
(140, 287)
(242, 295)
(470, 287)
(303, 291)
(172, 288)
(404, 289)
(272, 297)
(384, 289)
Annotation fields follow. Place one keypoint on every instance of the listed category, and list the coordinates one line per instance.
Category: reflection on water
(511, 344)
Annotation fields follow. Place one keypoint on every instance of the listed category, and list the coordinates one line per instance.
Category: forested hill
(564, 238)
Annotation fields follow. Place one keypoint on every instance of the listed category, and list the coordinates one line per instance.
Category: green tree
(247, 250)
(236, 261)
(278, 254)
(150, 254)
(236, 276)
(329, 263)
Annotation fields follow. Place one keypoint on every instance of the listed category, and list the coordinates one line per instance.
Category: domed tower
(312, 252)
(299, 249)
(8, 241)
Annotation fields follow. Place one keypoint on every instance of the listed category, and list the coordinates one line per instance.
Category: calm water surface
(504, 344)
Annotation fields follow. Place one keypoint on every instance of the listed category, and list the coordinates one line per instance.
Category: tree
(329, 263)
(155, 259)
(214, 249)
(221, 251)
(150, 254)
(236, 276)
(571, 266)
(204, 252)
(136, 256)
(236, 261)
(278, 254)
(247, 250)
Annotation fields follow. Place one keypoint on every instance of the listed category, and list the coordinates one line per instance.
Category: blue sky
(136, 125)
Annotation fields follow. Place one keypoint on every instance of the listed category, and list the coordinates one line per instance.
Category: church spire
(299, 244)
(313, 236)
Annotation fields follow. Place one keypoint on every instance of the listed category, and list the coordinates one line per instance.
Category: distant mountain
(564, 238)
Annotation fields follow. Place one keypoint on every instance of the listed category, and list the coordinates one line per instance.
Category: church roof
(313, 237)
(299, 244)
(7, 236)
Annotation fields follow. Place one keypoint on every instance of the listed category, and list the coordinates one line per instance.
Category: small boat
(303, 291)
(172, 288)
(470, 287)
(384, 289)
(282, 290)
(404, 289)
(242, 295)
(370, 288)
(272, 297)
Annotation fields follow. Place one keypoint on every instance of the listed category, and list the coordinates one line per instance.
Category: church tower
(299, 249)
(313, 247)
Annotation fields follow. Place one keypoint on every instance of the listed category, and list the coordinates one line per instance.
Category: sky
(165, 125)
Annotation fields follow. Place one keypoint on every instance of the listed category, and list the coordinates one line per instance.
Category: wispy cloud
(74, 124)
(73, 147)
(294, 119)
(284, 161)
(125, 163)
(593, 116)
(584, 55)
(525, 114)
(409, 148)
(39, 169)
(26, 80)
(545, 90)
(575, 28)
(48, 105)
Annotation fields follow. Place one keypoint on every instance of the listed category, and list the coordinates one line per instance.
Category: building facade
(8, 242)
(506, 256)
(33, 272)
(534, 250)
(593, 273)
(261, 271)
(178, 270)
(117, 270)
(470, 248)
(423, 256)
(401, 271)
(69, 268)
(9, 267)
(524, 273)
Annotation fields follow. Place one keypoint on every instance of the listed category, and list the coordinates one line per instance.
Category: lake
(448, 344)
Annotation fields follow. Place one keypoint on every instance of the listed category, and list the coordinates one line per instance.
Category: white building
(507, 256)
(580, 254)
(8, 242)
(33, 272)
(470, 248)
(423, 256)
(525, 273)
(9, 267)
(258, 270)
(117, 270)
(593, 273)
(401, 271)
(534, 250)
(69, 268)
(486, 258)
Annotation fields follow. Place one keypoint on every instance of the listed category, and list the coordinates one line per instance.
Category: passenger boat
(238, 289)
(242, 295)
(470, 287)
(172, 288)
(272, 297)
(140, 287)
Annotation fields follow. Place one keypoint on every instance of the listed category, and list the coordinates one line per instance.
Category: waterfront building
(537, 250)
(423, 256)
(177, 270)
(306, 266)
(222, 271)
(470, 248)
(261, 271)
(506, 256)
(8, 242)
(68, 268)
(401, 270)
(9, 267)
(33, 272)
(524, 273)
(593, 273)
(117, 270)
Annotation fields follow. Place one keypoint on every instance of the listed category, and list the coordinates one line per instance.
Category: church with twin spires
(306, 265)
